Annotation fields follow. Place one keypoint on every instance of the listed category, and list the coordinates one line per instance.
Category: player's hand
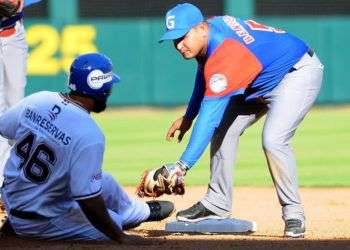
(168, 179)
(129, 239)
(182, 125)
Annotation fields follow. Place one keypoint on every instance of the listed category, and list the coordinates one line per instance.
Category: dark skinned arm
(96, 212)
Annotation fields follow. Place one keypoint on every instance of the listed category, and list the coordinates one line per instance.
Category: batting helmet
(92, 75)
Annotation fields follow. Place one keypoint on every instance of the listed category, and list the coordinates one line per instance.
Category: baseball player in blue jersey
(13, 64)
(245, 70)
(54, 187)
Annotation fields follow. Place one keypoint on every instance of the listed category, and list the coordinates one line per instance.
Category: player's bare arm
(96, 212)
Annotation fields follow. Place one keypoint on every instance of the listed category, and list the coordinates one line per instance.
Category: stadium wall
(153, 73)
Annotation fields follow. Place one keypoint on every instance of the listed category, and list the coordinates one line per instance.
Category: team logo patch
(97, 78)
(218, 83)
(170, 22)
(53, 113)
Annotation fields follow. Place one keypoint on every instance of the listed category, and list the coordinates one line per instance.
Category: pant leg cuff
(218, 211)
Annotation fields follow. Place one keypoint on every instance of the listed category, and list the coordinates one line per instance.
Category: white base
(212, 226)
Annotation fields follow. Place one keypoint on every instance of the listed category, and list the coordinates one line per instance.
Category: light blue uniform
(56, 159)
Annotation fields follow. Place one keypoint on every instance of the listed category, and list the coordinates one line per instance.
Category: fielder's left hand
(168, 179)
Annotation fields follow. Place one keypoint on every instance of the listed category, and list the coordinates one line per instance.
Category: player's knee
(271, 142)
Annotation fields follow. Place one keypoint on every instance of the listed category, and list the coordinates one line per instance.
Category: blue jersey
(243, 58)
(56, 157)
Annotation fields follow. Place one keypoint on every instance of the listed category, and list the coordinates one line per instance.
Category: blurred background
(154, 74)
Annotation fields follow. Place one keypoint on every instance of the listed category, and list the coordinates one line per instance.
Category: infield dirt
(327, 212)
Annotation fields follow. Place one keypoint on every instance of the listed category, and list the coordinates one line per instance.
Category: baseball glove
(168, 179)
(9, 8)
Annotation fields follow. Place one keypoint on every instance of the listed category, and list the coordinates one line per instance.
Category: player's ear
(202, 28)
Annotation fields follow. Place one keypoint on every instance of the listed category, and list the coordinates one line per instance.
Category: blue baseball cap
(180, 20)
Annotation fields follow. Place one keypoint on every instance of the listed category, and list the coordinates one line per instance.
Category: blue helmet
(92, 75)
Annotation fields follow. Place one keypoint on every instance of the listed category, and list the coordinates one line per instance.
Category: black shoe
(159, 210)
(131, 226)
(294, 228)
(197, 213)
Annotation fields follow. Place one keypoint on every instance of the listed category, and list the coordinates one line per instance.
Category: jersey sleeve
(231, 68)
(197, 96)
(209, 118)
(9, 121)
(86, 172)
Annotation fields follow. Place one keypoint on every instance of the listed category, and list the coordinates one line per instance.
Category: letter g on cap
(170, 22)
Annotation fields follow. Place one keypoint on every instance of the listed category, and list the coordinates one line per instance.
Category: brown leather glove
(168, 179)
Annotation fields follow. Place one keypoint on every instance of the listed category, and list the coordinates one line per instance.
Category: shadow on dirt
(159, 239)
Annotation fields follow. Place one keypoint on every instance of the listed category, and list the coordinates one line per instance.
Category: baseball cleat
(159, 210)
(196, 213)
(294, 228)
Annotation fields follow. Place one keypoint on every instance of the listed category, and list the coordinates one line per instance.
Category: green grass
(135, 140)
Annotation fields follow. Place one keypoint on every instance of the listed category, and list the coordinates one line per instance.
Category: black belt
(26, 215)
(310, 52)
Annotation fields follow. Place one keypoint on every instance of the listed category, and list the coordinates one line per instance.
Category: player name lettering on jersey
(57, 134)
(239, 29)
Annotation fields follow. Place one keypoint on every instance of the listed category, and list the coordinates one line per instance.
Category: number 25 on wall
(52, 52)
